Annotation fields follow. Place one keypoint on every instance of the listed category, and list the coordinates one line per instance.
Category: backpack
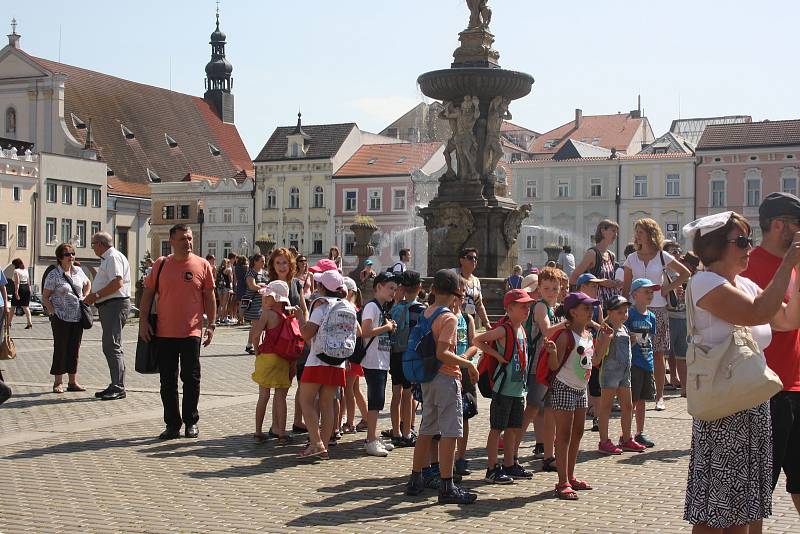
(544, 375)
(598, 261)
(487, 367)
(360, 351)
(288, 343)
(401, 314)
(338, 331)
(420, 364)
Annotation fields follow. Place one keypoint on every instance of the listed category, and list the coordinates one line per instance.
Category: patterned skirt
(730, 469)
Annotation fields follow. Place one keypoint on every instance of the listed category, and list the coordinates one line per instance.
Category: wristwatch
(97, 295)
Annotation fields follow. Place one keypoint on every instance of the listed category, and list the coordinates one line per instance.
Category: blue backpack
(420, 364)
(405, 320)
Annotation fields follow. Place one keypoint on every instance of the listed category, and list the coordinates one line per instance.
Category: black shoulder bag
(147, 351)
(87, 319)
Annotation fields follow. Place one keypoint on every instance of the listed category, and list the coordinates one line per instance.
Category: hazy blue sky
(358, 60)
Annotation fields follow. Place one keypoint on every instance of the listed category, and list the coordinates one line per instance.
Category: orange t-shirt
(445, 326)
(180, 304)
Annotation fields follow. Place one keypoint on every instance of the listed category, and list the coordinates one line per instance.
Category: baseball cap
(447, 282)
(617, 301)
(332, 280)
(368, 262)
(277, 289)
(779, 205)
(644, 282)
(577, 298)
(350, 284)
(410, 279)
(519, 296)
(586, 278)
(324, 265)
(385, 277)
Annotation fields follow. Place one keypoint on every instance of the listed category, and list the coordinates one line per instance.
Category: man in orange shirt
(185, 285)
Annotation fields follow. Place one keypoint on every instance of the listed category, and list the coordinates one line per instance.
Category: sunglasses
(64, 255)
(301, 261)
(742, 242)
(471, 258)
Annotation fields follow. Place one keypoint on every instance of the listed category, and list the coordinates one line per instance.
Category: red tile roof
(613, 131)
(149, 113)
(388, 160)
(128, 189)
(193, 177)
(511, 127)
(751, 135)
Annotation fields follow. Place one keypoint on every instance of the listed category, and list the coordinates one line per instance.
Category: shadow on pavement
(15, 403)
(83, 446)
(670, 456)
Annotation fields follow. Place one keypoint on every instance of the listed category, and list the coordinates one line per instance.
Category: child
(272, 371)
(589, 284)
(441, 397)
(352, 391)
(507, 407)
(322, 374)
(541, 325)
(641, 324)
(375, 325)
(567, 394)
(465, 333)
(615, 379)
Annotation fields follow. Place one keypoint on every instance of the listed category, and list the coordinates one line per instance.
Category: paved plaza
(71, 463)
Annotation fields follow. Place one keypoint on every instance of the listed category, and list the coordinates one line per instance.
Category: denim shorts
(615, 374)
(677, 337)
(376, 388)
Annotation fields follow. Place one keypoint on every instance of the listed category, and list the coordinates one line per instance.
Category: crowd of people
(578, 340)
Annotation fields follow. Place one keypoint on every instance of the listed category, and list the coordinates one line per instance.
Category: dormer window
(153, 177)
(372, 161)
(214, 150)
(171, 142)
(77, 122)
(109, 171)
(127, 132)
(402, 159)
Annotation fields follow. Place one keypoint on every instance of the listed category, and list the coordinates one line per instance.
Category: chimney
(578, 118)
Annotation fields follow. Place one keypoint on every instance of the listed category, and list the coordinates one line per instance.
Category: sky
(358, 60)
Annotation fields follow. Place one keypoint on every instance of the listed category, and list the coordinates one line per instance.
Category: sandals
(58, 388)
(565, 492)
(579, 484)
(260, 437)
(75, 387)
(348, 428)
(361, 426)
(548, 464)
(284, 439)
(309, 452)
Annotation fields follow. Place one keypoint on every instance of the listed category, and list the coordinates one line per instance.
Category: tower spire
(218, 75)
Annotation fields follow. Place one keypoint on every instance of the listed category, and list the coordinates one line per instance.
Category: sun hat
(277, 289)
(331, 280)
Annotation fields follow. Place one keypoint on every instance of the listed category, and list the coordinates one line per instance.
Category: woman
(473, 298)
(22, 291)
(240, 269)
(64, 287)
(256, 279)
(367, 274)
(729, 488)
(305, 278)
(335, 255)
(599, 261)
(650, 261)
(225, 286)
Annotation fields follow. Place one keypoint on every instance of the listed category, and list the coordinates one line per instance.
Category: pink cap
(324, 265)
(332, 280)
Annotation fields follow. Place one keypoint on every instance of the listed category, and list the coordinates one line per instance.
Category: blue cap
(368, 262)
(644, 282)
(586, 278)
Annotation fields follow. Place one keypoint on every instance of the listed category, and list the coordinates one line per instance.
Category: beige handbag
(727, 378)
(8, 350)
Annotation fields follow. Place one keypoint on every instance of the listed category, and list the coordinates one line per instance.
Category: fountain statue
(472, 208)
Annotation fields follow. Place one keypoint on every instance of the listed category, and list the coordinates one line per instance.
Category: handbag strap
(72, 287)
(158, 274)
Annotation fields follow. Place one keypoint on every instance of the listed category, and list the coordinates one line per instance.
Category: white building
(228, 224)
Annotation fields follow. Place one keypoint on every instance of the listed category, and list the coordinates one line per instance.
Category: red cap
(324, 265)
(519, 296)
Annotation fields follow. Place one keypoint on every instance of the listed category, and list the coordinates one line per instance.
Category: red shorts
(355, 370)
(324, 374)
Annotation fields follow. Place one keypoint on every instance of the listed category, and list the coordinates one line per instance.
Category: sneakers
(595, 424)
(497, 476)
(538, 451)
(461, 467)
(415, 484)
(607, 447)
(517, 471)
(631, 445)
(642, 440)
(432, 480)
(386, 444)
(660, 406)
(376, 448)
(249, 349)
(449, 493)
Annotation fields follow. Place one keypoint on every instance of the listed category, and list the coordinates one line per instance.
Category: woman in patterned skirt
(256, 279)
(730, 470)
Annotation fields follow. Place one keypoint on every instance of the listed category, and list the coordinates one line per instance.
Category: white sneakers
(376, 448)
(387, 444)
(660, 405)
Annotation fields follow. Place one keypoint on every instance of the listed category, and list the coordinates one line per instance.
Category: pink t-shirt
(180, 304)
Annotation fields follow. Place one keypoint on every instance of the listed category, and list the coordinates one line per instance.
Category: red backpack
(285, 340)
(487, 367)
(544, 375)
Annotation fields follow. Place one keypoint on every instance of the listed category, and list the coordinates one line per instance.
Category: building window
(167, 213)
(640, 186)
(399, 199)
(530, 242)
(227, 215)
(349, 243)
(81, 200)
(183, 211)
(80, 231)
(166, 249)
(211, 248)
(294, 198)
(11, 121)
(17, 193)
(789, 185)
(212, 216)
(595, 187)
(50, 230)
(227, 248)
(295, 150)
(96, 227)
(316, 243)
(319, 197)
(717, 193)
(375, 198)
(3, 235)
(531, 189)
(294, 240)
(398, 243)
(66, 194)
(563, 189)
(52, 193)
(350, 200)
(66, 230)
(96, 198)
(673, 186)
(753, 187)
(22, 236)
(563, 240)
(122, 239)
(243, 215)
(272, 199)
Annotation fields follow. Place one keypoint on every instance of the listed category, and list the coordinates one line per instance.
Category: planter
(552, 252)
(265, 246)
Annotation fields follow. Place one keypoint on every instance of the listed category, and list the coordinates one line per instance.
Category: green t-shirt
(515, 382)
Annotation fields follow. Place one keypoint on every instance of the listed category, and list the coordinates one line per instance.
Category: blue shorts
(376, 388)
(677, 337)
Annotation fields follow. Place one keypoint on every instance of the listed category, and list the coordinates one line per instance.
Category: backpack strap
(570, 348)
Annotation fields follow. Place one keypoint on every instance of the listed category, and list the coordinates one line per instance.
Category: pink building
(387, 182)
(740, 164)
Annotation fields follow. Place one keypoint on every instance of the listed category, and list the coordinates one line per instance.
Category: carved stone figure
(450, 113)
(464, 137)
(513, 224)
(493, 152)
(479, 14)
(452, 224)
(11, 121)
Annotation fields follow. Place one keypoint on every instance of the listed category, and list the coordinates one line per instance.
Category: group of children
(572, 331)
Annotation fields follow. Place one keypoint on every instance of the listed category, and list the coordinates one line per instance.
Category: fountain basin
(485, 83)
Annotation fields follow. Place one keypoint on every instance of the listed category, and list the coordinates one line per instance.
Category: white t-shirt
(713, 330)
(399, 267)
(317, 317)
(652, 271)
(379, 351)
(578, 367)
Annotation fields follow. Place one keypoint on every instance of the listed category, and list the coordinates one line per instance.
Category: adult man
(402, 265)
(112, 296)
(566, 260)
(185, 291)
(779, 219)
(473, 300)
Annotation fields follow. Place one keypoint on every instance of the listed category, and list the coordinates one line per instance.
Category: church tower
(218, 77)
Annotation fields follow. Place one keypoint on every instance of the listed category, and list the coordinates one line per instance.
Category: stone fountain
(472, 207)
